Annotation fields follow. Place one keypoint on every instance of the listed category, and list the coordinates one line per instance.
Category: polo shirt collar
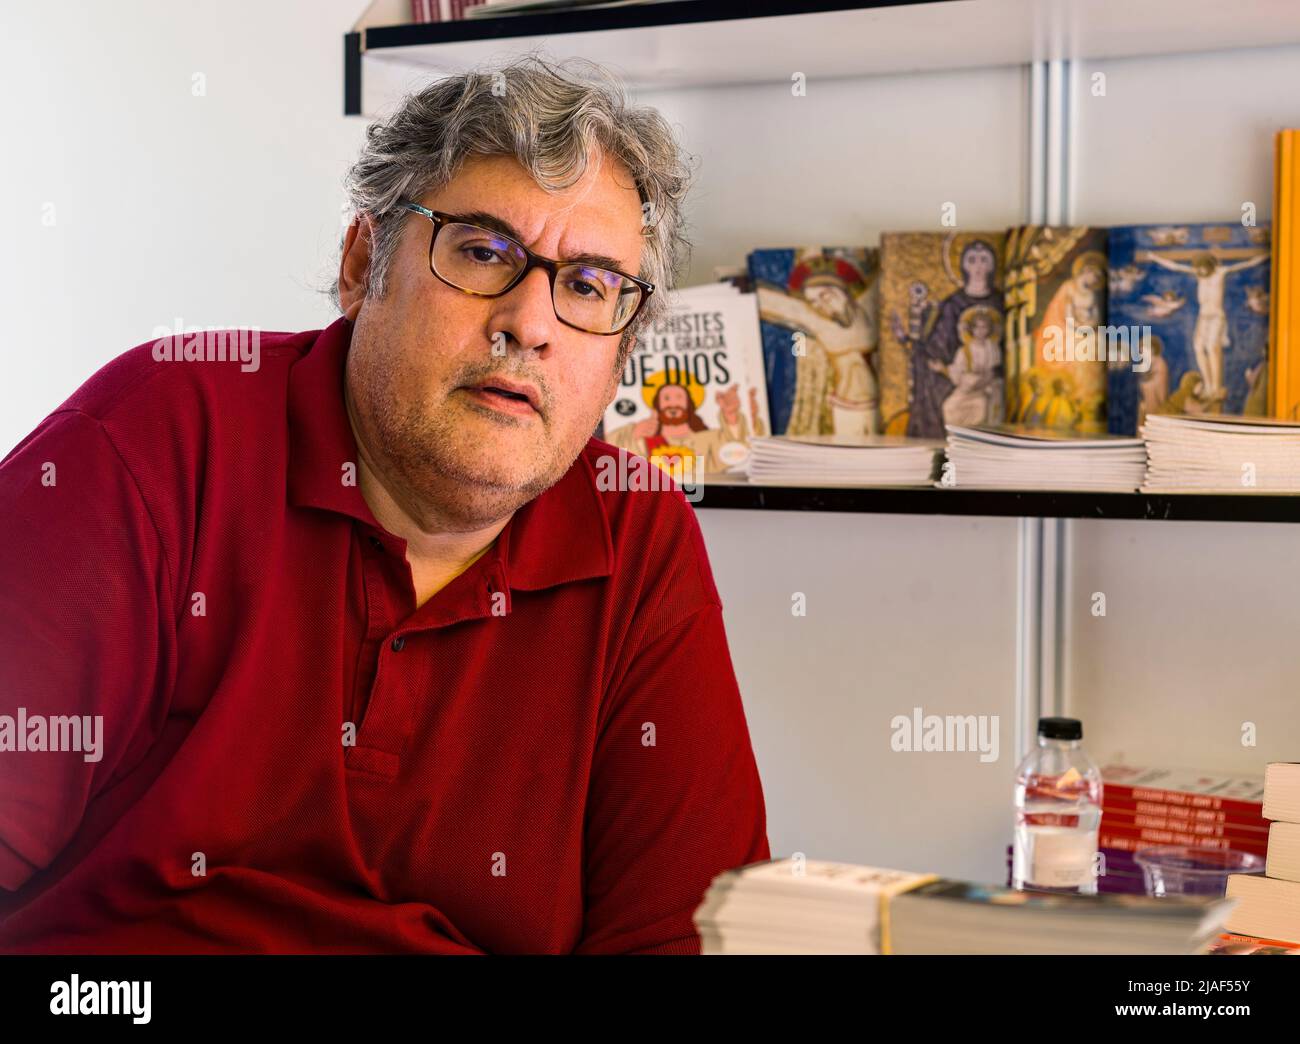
(561, 535)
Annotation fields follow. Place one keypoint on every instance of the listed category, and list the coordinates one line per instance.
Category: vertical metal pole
(1029, 572)
(1043, 545)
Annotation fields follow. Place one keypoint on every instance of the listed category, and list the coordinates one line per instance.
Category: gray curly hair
(550, 117)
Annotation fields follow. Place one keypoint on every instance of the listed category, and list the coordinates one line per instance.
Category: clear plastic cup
(1183, 870)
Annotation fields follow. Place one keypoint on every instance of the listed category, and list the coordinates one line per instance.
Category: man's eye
(584, 288)
(483, 255)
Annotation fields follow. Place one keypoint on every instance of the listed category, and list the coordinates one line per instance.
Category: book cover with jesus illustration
(1202, 292)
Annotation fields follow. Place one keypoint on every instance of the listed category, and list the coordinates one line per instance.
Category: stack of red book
(1145, 806)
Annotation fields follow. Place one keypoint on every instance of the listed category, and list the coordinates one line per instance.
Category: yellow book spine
(1286, 255)
(886, 894)
(1274, 345)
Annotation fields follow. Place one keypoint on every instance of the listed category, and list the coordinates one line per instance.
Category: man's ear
(354, 266)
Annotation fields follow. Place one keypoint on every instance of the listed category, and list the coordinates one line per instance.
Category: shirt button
(397, 644)
(376, 543)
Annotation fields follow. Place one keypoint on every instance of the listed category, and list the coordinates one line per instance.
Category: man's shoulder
(655, 533)
(168, 382)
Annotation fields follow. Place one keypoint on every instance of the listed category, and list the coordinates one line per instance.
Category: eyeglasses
(487, 263)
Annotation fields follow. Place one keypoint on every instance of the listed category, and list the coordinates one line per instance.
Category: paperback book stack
(843, 460)
(1221, 454)
(1144, 806)
(812, 907)
(1013, 457)
(1268, 907)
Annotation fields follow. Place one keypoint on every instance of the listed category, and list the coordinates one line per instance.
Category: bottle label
(1062, 858)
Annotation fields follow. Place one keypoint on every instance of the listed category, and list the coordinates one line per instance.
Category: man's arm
(1251, 263)
(86, 632)
(1164, 262)
(675, 796)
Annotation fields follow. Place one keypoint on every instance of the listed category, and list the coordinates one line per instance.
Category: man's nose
(527, 312)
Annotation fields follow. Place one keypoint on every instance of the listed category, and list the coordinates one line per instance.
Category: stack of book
(1014, 457)
(1146, 806)
(1221, 454)
(788, 906)
(1268, 907)
(843, 460)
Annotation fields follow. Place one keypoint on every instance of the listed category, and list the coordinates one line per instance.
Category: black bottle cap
(1060, 728)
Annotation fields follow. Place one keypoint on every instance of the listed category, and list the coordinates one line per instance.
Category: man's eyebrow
(496, 224)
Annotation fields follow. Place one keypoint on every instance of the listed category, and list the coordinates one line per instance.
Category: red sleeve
(675, 797)
(85, 626)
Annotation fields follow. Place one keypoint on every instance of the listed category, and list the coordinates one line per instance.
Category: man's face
(672, 404)
(830, 300)
(421, 353)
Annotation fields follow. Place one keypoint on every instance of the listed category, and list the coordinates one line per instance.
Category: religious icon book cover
(1203, 292)
(818, 308)
(1057, 360)
(941, 327)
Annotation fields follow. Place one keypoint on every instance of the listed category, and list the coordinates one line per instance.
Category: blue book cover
(1197, 297)
(817, 311)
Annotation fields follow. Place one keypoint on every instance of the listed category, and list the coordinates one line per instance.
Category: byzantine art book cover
(817, 307)
(1200, 292)
(692, 394)
(941, 356)
(1055, 303)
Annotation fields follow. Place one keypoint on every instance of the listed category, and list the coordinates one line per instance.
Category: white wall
(218, 210)
(225, 209)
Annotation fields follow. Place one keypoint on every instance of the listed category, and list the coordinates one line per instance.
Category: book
(1057, 351)
(1117, 818)
(1134, 839)
(692, 394)
(1192, 788)
(843, 460)
(942, 358)
(788, 906)
(817, 307)
(1232, 944)
(1015, 457)
(1282, 791)
(1266, 906)
(1282, 806)
(1221, 454)
(1126, 806)
(1198, 296)
(1283, 859)
(1284, 317)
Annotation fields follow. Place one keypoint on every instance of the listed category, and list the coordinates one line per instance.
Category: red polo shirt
(550, 755)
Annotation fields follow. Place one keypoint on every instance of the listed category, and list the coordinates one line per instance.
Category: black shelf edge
(352, 74)
(583, 20)
(1176, 507)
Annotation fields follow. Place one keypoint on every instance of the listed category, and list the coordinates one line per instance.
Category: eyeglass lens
(478, 259)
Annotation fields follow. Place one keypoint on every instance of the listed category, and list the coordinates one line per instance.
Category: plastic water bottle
(1058, 813)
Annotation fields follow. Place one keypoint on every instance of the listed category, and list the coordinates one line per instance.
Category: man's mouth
(506, 396)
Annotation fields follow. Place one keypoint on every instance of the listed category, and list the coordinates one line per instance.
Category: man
(378, 666)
